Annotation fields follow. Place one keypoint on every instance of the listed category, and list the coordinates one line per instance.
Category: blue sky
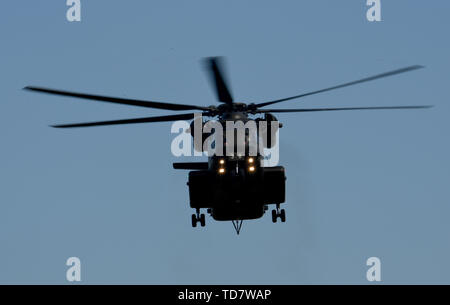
(360, 184)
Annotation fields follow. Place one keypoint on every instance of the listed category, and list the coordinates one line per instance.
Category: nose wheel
(198, 218)
(278, 213)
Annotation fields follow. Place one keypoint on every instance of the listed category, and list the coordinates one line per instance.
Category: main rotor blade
(166, 118)
(340, 109)
(217, 77)
(367, 79)
(116, 100)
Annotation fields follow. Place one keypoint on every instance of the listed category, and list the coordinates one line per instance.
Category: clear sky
(360, 184)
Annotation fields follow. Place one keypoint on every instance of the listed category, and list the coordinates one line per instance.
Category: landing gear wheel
(278, 213)
(194, 220)
(283, 215)
(202, 220)
(274, 216)
(198, 218)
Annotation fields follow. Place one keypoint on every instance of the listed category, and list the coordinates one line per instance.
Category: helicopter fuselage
(236, 186)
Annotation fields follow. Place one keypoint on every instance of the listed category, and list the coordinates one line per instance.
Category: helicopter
(233, 187)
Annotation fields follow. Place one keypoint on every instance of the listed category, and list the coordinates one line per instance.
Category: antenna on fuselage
(237, 224)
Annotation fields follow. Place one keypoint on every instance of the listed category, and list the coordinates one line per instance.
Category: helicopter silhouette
(232, 187)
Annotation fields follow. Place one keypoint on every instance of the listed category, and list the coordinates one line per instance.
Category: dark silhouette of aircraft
(236, 187)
